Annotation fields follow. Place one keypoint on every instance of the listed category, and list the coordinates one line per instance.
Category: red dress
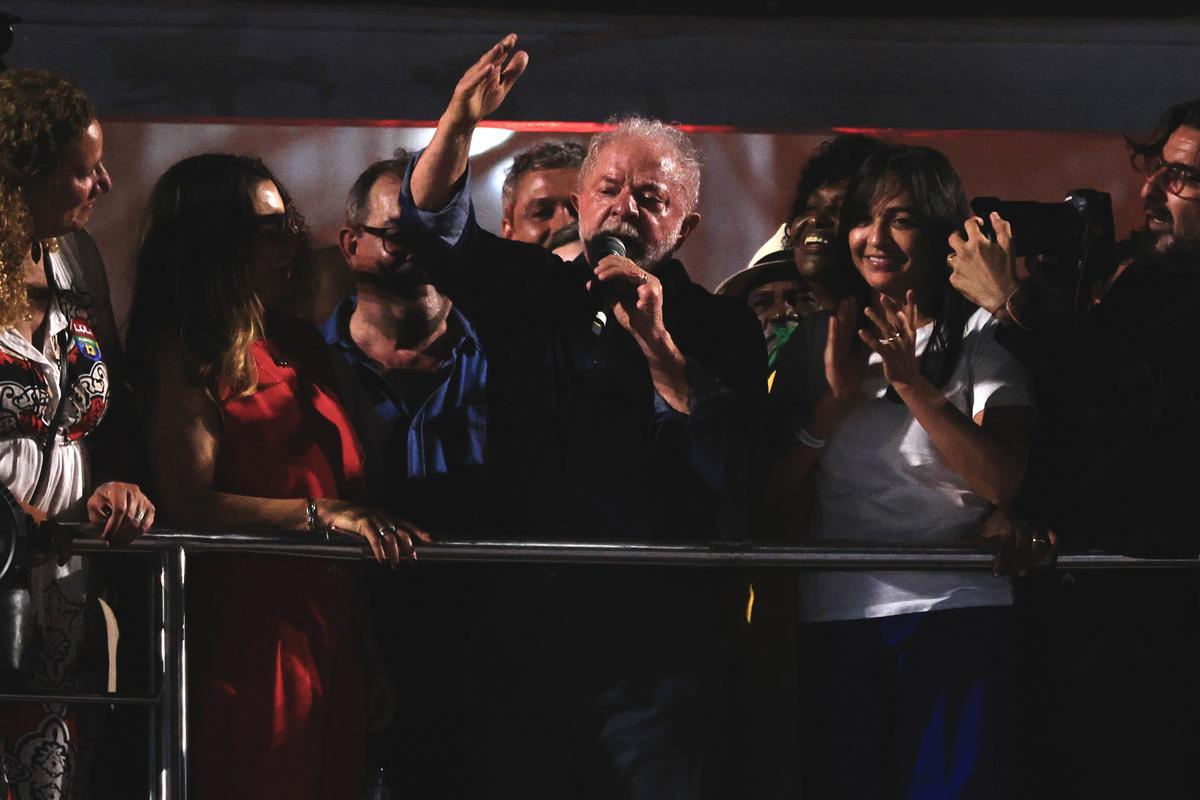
(277, 705)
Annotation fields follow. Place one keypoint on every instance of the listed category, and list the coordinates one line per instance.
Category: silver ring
(1039, 541)
(141, 515)
(644, 279)
(895, 337)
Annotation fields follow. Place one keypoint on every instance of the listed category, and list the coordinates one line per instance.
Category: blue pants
(918, 706)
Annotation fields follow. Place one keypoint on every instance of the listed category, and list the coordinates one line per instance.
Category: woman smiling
(912, 422)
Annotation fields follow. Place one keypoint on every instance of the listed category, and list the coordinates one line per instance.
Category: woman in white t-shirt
(913, 425)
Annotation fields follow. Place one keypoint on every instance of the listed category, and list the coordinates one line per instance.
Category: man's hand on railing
(1021, 544)
(391, 538)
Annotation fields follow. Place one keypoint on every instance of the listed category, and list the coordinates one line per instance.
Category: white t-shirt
(881, 480)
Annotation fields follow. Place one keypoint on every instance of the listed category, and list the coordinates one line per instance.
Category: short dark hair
(835, 160)
(40, 114)
(359, 198)
(940, 206)
(1174, 117)
(550, 154)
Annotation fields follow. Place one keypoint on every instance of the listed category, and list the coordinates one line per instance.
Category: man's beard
(636, 250)
(1182, 245)
(1185, 245)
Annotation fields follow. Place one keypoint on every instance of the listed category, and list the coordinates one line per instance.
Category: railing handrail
(167, 704)
(857, 556)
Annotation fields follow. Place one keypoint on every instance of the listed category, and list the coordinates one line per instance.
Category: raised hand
(486, 83)
(897, 339)
(982, 270)
(479, 92)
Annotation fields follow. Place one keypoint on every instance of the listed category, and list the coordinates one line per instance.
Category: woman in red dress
(245, 430)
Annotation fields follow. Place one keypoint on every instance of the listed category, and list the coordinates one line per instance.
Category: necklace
(39, 251)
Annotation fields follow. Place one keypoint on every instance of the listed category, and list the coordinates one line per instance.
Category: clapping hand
(845, 364)
(895, 340)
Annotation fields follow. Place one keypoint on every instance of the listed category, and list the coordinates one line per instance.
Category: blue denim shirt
(442, 437)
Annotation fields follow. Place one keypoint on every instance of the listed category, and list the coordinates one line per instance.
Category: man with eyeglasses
(1118, 381)
(417, 397)
(1119, 406)
(412, 376)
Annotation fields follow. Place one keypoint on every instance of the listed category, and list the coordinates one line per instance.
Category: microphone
(601, 294)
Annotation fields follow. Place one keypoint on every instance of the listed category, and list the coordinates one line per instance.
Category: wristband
(1012, 314)
(807, 439)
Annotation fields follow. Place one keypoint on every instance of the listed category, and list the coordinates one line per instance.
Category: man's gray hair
(685, 155)
(358, 201)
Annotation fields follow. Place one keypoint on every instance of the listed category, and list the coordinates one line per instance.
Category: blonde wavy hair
(16, 238)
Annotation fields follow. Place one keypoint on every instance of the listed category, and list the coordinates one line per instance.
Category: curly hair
(194, 270)
(40, 114)
(835, 160)
(1177, 116)
(16, 237)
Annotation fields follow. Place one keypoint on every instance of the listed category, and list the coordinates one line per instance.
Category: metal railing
(166, 701)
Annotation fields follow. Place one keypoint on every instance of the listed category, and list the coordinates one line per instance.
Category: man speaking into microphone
(641, 427)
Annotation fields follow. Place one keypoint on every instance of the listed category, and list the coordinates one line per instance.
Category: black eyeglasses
(280, 227)
(394, 239)
(1178, 179)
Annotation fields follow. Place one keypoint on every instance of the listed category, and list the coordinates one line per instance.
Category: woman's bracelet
(807, 439)
(314, 522)
(1012, 315)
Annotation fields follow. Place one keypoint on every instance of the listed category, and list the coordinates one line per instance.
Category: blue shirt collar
(336, 331)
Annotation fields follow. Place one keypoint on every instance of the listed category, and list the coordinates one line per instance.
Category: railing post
(173, 716)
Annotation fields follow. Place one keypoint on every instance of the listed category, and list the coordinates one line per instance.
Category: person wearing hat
(777, 295)
(800, 253)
